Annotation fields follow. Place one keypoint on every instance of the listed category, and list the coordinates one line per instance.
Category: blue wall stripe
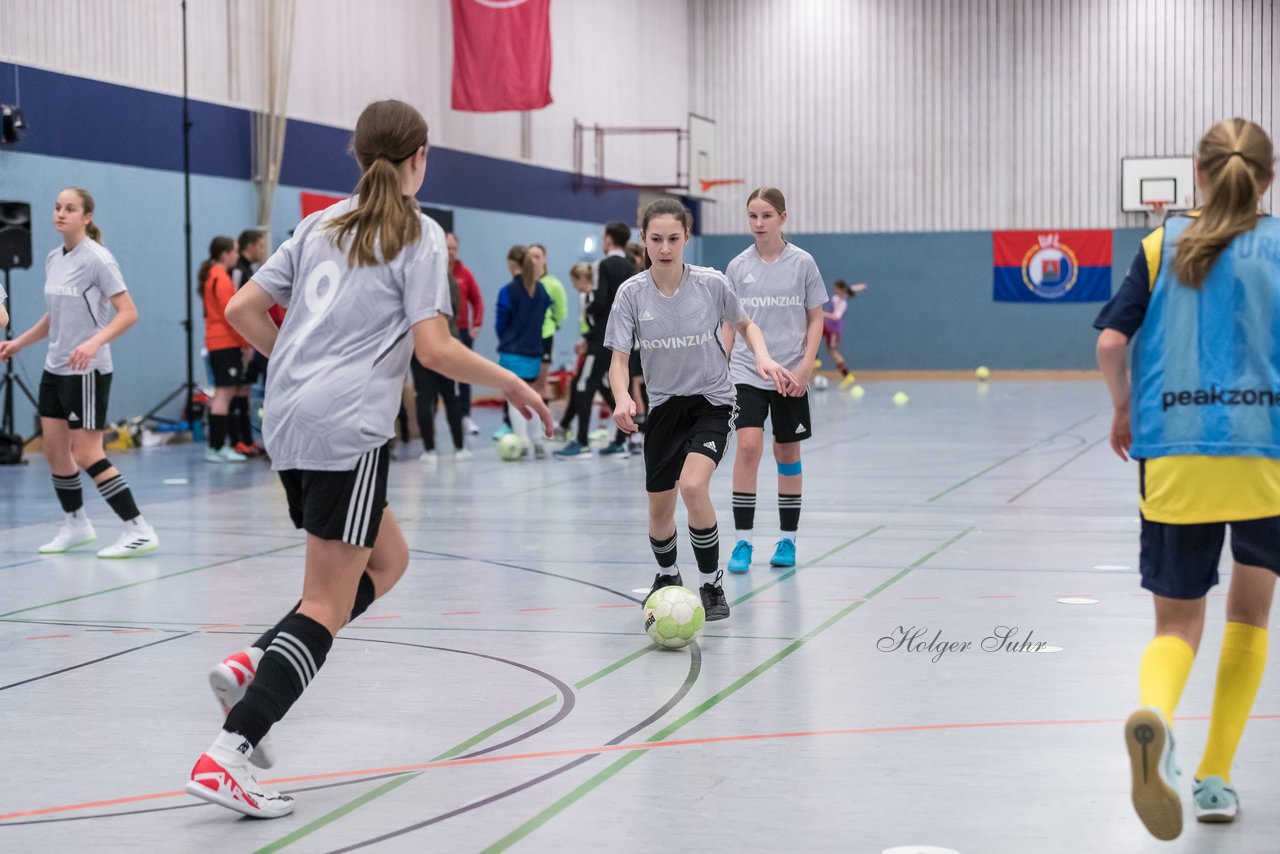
(84, 119)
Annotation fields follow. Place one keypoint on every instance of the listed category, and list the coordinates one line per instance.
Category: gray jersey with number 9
(338, 367)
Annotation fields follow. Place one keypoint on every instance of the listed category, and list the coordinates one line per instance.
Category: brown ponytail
(92, 231)
(1236, 161)
(217, 247)
(387, 133)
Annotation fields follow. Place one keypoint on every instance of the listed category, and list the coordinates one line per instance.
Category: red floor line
(47, 637)
(611, 748)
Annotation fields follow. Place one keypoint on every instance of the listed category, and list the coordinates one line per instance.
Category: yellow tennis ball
(857, 392)
(983, 372)
(900, 399)
(817, 364)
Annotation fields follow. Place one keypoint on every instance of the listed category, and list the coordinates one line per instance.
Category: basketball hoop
(719, 182)
(1156, 211)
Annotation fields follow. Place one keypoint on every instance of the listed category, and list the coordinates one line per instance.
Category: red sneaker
(229, 679)
(228, 781)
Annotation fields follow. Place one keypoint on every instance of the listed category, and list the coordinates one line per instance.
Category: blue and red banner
(1052, 266)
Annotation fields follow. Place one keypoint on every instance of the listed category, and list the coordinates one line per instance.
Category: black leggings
(428, 386)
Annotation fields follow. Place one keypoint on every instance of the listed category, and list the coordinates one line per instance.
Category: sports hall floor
(505, 696)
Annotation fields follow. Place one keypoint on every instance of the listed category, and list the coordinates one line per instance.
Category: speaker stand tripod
(9, 379)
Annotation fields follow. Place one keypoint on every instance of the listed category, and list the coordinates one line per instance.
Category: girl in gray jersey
(781, 288)
(673, 313)
(87, 307)
(365, 284)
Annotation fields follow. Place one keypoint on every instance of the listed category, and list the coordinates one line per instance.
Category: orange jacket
(218, 290)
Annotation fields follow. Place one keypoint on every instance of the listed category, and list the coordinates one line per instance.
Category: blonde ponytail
(1236, 161)
(384, 219)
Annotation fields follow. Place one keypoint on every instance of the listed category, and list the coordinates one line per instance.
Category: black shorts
(680, 426)
(78, 399)
(228, 367)
(548, 344)
(788, 415)
(341, 505)
(1181, 561)
(256, 369)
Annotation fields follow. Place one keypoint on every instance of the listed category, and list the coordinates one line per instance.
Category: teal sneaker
(1155, 773)
(503, 429)
(784, 554)
(1216, 802)
(573, 451)
(740, 560)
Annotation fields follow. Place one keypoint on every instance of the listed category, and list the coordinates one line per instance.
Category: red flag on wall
(501, 55)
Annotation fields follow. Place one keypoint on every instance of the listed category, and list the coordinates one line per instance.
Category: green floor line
(345, 809)
(1060, 467)
(150, 580)
(661, 735)
(974, 477)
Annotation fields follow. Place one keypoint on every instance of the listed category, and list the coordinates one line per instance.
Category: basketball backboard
(701, 158)
(1144, 180)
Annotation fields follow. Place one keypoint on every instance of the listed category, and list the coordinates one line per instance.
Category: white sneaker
(133, 542)
(230, 679)
(212, 456)
(462, 455)
(231, 455)
(224, 777)
(469, 424)
(70, 535)
(430, 459)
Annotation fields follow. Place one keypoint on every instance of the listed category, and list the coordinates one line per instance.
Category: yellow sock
(1244, 657)
(1166, 664)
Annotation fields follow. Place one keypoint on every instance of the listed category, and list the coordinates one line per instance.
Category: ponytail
(384, 217)
(217, 247)
(384, 220)
(1235, 161)
(86, 200)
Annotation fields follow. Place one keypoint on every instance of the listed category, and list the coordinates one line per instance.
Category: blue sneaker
(572, 451)
(784, 554)
(740, 561)
(1216, 802)
(617, 450)
(1155, 773)
(503, 429)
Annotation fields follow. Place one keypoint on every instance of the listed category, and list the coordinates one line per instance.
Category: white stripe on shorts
(360, 508)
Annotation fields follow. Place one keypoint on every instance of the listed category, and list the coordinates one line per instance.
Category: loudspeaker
(443, 218)
(15, 235)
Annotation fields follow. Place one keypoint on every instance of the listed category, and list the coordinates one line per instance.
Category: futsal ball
(820, 383)
(856, 392)
(510, 447)
(983, 373)
(900, 399)
(673, 616)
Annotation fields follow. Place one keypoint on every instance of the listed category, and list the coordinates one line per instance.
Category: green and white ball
(510, 447)
(673, 616)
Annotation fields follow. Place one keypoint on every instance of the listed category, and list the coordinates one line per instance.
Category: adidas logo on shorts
(73, 417)
(712, 446)
(800, 428)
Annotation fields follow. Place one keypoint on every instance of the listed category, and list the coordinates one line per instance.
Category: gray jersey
(678, 336)
(777, 296)
(78, 287)
(338, 367)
